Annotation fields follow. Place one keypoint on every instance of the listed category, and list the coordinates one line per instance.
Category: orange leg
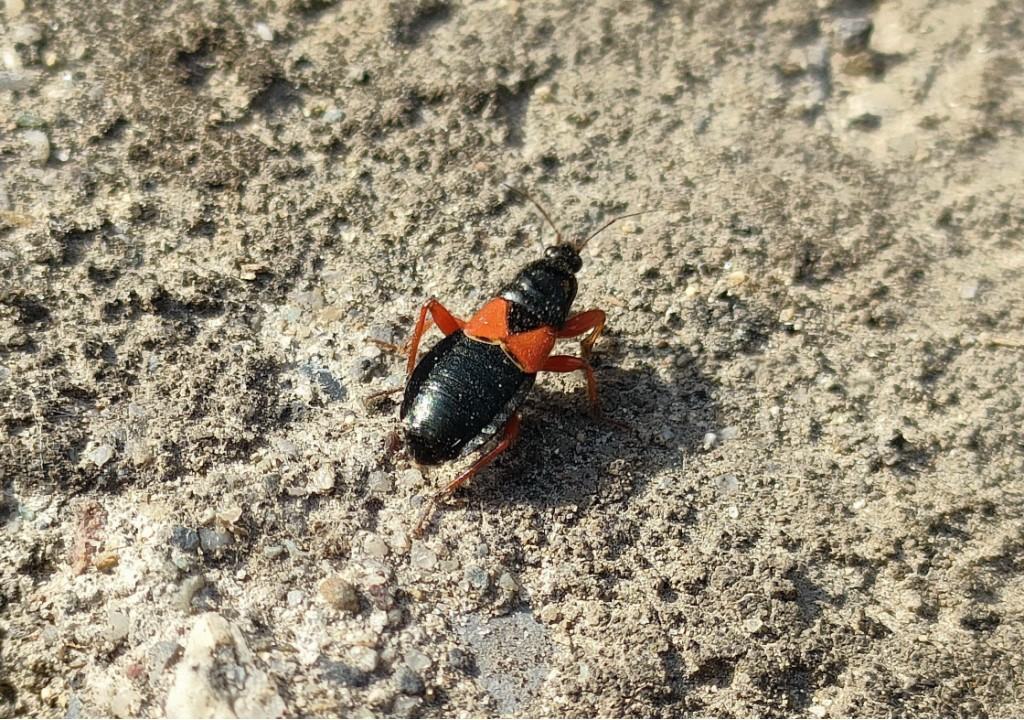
(508, 436)
(592, 320)
(445, 321)
(568, 363)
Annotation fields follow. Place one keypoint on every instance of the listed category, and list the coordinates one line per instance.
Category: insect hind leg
(508, 436)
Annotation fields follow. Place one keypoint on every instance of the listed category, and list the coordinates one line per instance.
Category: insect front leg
(591, 321)
(568, 363)
(446, 322)
(432, 311)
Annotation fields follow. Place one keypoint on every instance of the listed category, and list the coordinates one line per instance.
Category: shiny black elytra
(460, 394)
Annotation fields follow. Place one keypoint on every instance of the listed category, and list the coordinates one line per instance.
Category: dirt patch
(815, 341)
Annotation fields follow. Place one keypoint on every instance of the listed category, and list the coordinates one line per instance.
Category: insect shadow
(564, 456)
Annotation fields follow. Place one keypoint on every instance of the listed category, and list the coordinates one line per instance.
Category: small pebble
(733, 512)
(411, 479)
(214, 667)
(728, 433)
(380, 592)
(379, 483)
(710, 440)
(332, 115)
(794, 64)
(14, 8)
(423, 557)
(374, 578)
(264, 32)
(378, 621)
(214, 540)
(99, 455)
(287, 447)
(26, 34)
(118, 629)
(14, 339)
(49, 634)
(508, 584)
(399, 541)
(375, 547)
(405, 706)
(753, 625)
(727, 484)
(182, 562)
(736, 278)
(357, 74)
(323, 480)
(140, 452)
(363, 658)
(185, 538)
(416, 661)
(913, 601)
(339, 594)
(459, 659)
(477, 578)
(105, 562)
(295, 598)
(39, 145)
(229, 516)
(853, 34)
(817, 711)
(969, 290)
(125, 702)
(408, 682)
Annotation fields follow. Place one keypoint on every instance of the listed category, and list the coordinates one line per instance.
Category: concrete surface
(817, 342)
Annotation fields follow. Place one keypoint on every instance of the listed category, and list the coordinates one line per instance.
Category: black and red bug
(469, 387)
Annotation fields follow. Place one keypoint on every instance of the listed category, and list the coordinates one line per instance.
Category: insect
(467, 390)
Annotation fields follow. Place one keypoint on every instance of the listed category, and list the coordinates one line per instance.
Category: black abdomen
(460, 390)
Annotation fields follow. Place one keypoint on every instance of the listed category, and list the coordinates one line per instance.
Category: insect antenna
(526, 195)
(579, 245)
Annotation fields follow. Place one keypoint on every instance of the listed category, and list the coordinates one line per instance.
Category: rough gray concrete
(817, 343)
